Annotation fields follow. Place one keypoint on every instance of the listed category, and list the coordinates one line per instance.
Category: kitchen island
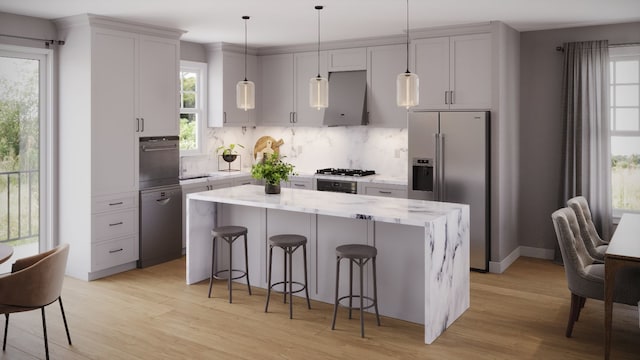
(423, 246)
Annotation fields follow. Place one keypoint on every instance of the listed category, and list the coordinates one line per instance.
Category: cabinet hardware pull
(295, 117)
(137, 124)
(115, 251)
(299, 185)
(224, 117)
(116, 203)
(142, 129)
(445, 97)
(246, 183)
(116, 224)
(451, 97)
(384, 192)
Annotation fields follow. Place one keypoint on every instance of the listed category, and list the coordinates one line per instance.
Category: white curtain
(586, 148)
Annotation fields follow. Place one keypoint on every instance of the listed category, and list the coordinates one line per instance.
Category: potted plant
(229, 154)
(273, 170)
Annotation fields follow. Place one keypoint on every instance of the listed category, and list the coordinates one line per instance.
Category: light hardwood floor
(153, 314)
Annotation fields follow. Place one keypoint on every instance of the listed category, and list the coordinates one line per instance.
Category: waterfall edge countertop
(423, 246)
(389, 210)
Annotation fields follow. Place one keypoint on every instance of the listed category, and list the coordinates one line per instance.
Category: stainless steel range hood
(347, 99)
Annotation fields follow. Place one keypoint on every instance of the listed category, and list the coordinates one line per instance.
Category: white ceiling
(290, 22)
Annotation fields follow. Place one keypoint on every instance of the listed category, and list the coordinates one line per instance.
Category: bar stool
(358, 255)
(289, 243)
(229, 234)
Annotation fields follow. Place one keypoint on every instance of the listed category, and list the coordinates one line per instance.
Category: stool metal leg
(246, 262)
(290, 253)
(360, 265)
(350, 286)
(306, 288)
(213, 263)
(230, 272)
(335, 306)
(266, 307)
(284, 277)
(375, 291)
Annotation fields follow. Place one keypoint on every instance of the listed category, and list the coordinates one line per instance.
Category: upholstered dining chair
(585, 276)
(34, 282)
(594, 244)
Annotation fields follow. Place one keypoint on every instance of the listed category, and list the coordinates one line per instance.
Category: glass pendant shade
(246, 95)
(407, 86)
(318, 92)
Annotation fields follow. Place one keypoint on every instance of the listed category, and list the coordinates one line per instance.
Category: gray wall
(541, 123)
(192, 52)
(18, 25)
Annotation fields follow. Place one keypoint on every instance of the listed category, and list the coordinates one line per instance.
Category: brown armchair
(34, 283)
(585, 275)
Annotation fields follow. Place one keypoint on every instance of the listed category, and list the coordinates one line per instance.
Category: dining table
(623, 251)
(6, 252)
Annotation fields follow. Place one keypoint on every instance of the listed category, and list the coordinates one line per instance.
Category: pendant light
(318, 86)
(245, 89)
(407, 84)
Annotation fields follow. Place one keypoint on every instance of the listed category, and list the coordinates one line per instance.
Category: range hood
(347, 99)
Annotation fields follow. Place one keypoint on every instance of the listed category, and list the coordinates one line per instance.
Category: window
(625, 128)
(193, 95)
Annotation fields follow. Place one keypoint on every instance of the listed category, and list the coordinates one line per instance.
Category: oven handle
(172, 147)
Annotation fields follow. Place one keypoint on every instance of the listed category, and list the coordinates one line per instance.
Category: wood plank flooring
(152, 314)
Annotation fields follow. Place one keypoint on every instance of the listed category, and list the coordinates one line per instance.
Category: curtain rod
(47, 42)
(561, 49)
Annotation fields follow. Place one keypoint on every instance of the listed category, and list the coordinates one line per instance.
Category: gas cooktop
(345, 172)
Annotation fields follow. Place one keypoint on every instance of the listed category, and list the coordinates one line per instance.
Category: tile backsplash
(310, 148)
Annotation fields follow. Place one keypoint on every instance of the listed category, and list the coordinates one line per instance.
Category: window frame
(200, 68)
(617, 53)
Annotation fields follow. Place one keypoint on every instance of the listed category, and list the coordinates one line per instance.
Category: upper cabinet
(347, 59)
(284, 89)
(226, 68)
(455, 72)
(158, 69)
(385, 63)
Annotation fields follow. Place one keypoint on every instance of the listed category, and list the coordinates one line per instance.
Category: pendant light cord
(408, 37)
(245, 46)
(319, 7)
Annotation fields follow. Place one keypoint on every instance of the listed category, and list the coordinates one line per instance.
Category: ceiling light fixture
(407, 84)
(319, 86)
(245, 89)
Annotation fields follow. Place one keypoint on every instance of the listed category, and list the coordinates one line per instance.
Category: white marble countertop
(377, 178)
(390, 210)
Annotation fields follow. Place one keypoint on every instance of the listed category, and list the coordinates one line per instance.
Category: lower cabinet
(380, 189)
(114, 227)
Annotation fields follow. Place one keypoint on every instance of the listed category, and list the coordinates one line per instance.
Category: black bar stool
(229, 234)
(358, 255)
(289, 243)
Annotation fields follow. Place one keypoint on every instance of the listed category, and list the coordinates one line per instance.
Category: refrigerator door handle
(436, 183)
(441, 184)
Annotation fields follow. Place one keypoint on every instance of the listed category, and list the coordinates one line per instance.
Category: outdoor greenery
(625, 182)
(188, 121)
(19, 149)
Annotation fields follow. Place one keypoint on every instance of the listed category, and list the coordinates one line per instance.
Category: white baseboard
(498, 267)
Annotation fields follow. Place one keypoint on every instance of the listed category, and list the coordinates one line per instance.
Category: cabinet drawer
(301, 184)
(113, 253)
(111, 203)
(114, 224)
(386, 192)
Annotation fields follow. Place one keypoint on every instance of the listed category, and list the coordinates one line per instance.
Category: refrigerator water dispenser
(422, 174)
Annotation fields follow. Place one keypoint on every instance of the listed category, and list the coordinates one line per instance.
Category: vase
(229, 157)
(272, 189)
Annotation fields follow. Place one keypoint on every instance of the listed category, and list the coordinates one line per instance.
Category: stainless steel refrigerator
(449, 161)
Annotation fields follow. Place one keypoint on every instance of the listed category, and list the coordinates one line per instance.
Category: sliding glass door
(23, 175)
